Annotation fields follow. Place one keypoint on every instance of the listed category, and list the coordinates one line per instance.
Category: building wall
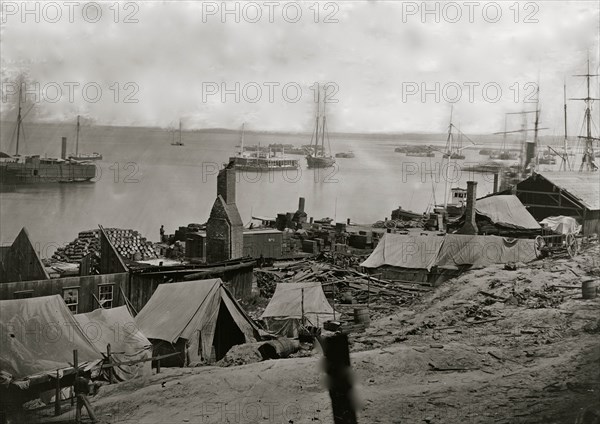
(269, 245)
(87, 287)
(544, 199)
(21, 262)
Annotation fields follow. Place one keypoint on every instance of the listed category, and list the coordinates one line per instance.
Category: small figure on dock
(162, 233)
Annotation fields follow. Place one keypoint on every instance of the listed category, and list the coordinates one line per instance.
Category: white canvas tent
(117, 327)
(38, 337)
(283, 314)
(200, 319)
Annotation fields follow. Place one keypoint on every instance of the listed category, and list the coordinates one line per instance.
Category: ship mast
(565, 155)
(18, 123)
(242, 140)
(317, 123)
(323, 129)
(588, 155)
(536, 126)
(180, 132)
(448, 152)
(77, 138)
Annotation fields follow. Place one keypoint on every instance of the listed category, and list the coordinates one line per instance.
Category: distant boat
(261, 159)
(405, 215)
(83, 156)
(178, 142)
(422, 154)
(32, 169)
(348, 155)
(318, 158)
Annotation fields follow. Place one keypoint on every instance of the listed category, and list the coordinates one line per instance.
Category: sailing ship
(31, 169)
(83, 156)
(261, 159)
(177, 142)
(587, 161)
(318, 158)
(454, 150)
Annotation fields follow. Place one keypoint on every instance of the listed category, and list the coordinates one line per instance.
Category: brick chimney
(224, 229)
(470, 227)
(226, 185)
(301, 203)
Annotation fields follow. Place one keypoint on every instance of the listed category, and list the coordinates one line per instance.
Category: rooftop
(585, 186)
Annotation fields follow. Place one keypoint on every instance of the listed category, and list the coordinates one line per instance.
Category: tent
(117, 327)
(38, 337)
(433, 259)
(283, 314)
(506, 211)
(199, 319)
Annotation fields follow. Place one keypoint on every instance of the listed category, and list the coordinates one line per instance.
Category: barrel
(589, 289)
(279, 348)
(361, 316)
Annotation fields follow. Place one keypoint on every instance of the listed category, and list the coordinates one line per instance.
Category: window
(71, 297)
(105, 295)
(25, 294)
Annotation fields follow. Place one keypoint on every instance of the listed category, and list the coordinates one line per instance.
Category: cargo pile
(342, 282)
(129, 243)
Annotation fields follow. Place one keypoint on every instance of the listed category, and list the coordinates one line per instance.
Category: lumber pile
(343, 284)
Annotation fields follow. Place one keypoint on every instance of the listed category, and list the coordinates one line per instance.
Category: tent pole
(334, 301)
(110, 369)
(57, 395)
(302, 304)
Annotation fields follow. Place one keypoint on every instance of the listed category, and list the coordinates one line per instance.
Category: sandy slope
(534, 358)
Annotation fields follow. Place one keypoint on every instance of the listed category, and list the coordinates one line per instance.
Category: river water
(144, 182)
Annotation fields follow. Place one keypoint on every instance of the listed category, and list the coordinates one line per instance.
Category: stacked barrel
(129, 243)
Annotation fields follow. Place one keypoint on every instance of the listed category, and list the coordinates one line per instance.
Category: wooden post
(369, 291)
(334, 301)
(77, 408)
(57, 395)
(302, 304)
(158, 366)
(337, 366)
(110, 369)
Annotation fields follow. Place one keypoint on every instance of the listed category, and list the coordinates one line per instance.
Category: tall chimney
(226, 185)
(470, 227)
(301, 204)
(63, 149)
(495, 182)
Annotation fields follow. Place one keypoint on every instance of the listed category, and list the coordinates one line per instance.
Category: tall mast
(536, 125)
(565, 153)
(449, 139)
(77, 138)
(323, 129)
(449, 152)
(504, 135)
(588, 155)
(242, 140)
(180, 131)
(317, 124)
(18, 122)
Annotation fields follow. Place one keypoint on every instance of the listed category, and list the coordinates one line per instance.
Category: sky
(154, 63)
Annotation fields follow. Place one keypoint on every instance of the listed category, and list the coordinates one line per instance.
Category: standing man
(162, 233)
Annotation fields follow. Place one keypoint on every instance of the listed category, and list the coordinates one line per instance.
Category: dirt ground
(526, 350)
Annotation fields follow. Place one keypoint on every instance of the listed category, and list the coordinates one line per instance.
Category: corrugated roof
(585, 186)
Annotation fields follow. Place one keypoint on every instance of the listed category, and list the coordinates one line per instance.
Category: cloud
(175, 49)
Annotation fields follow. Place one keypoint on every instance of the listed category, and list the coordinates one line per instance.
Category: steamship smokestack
(63, 149)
